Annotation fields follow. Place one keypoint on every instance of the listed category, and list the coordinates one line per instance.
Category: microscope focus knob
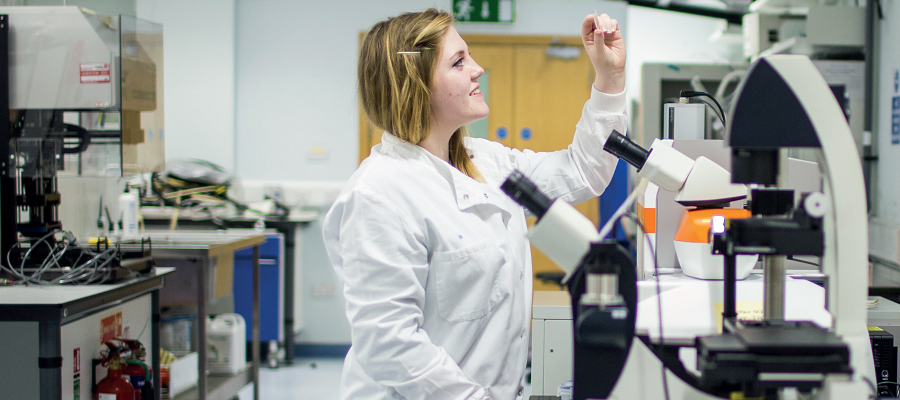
(816, 204)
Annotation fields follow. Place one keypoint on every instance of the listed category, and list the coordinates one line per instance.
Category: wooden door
(497, 61)
(369, 134)
(534, 100)
(550, 95)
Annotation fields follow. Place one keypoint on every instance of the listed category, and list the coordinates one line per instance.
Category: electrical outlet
(317, 154)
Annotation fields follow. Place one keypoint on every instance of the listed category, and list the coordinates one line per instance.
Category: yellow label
(875, 329)
(746, 311)
(740, 396)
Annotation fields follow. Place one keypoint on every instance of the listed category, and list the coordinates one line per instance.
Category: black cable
(871, 386)
(691, 93)
(715, 111)
(96, 269)
(801, 261)
(712, 107)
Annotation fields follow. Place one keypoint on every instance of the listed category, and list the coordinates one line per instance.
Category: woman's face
(456, 99)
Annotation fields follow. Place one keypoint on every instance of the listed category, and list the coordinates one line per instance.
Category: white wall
(664, 36)
(296, 68)
(199, 58)
(254, 85)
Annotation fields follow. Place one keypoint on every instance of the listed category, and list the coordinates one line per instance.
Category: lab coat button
(465, 197)
(520, 392)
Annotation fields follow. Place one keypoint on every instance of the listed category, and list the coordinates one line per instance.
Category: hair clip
(409, 52)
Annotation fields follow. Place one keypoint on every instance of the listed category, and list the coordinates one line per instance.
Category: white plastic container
(175, 333)
(565, 390)
(128, 207)
(226, 344)
(183, 374)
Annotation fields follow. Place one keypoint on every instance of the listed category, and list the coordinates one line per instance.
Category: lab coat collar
(469, 192)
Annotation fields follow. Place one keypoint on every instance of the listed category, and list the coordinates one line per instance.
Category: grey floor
(307, 379)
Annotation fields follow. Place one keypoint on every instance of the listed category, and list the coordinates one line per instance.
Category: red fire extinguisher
(137, 370)
(114, 386)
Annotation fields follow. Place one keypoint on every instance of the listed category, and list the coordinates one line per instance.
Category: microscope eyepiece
(524, 192)
(620, 146)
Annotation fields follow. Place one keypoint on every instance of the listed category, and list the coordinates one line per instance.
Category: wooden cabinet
(535, 102)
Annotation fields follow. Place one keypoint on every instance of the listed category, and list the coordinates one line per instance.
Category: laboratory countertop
(195, 215)
(66, 302)
(883, 311)
(690, 305)
(204, 243)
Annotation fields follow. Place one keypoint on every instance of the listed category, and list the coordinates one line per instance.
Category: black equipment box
(885, 354)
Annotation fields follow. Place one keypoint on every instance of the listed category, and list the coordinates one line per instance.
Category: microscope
(783, 103)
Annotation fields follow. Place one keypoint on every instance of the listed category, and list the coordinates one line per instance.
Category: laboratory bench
(51, 333)
(552, 339)
(160, 218)
(204, 268)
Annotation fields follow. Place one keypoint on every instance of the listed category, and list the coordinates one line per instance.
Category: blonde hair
(396, 66)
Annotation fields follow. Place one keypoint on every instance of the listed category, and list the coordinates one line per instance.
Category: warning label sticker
(111, 327)
(95, 73)
(77, 360)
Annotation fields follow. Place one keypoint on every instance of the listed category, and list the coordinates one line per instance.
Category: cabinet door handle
(267, 261)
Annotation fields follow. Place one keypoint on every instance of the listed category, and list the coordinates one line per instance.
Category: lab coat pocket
(466, 281)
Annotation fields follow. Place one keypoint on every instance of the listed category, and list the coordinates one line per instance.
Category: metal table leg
(255, 366)
(202, 361)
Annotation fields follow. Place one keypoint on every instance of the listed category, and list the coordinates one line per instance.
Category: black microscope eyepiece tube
(524, 192)
(620, 146)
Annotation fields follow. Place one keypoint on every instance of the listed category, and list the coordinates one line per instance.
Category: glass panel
(143, 149)
(479, 128)
(102, 156)
(94, 83)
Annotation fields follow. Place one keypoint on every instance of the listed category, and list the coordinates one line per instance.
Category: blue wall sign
(895, 120)
(895, 110)
(896, 81)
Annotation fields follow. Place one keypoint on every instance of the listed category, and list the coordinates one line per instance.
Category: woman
(433, 256)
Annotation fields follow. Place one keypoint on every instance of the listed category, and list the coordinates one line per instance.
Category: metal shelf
(221, 387)
(204, 255)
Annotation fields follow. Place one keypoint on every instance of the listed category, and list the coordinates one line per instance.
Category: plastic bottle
(128, 207)
(565, 390)
(227, 343)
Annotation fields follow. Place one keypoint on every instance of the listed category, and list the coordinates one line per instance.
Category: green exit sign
(484, 10)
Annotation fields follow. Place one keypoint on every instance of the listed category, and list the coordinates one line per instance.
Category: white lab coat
(436, 268)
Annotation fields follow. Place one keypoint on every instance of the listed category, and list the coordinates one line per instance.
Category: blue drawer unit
(271, 261)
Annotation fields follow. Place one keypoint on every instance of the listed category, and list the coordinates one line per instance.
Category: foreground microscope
(783, 103)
